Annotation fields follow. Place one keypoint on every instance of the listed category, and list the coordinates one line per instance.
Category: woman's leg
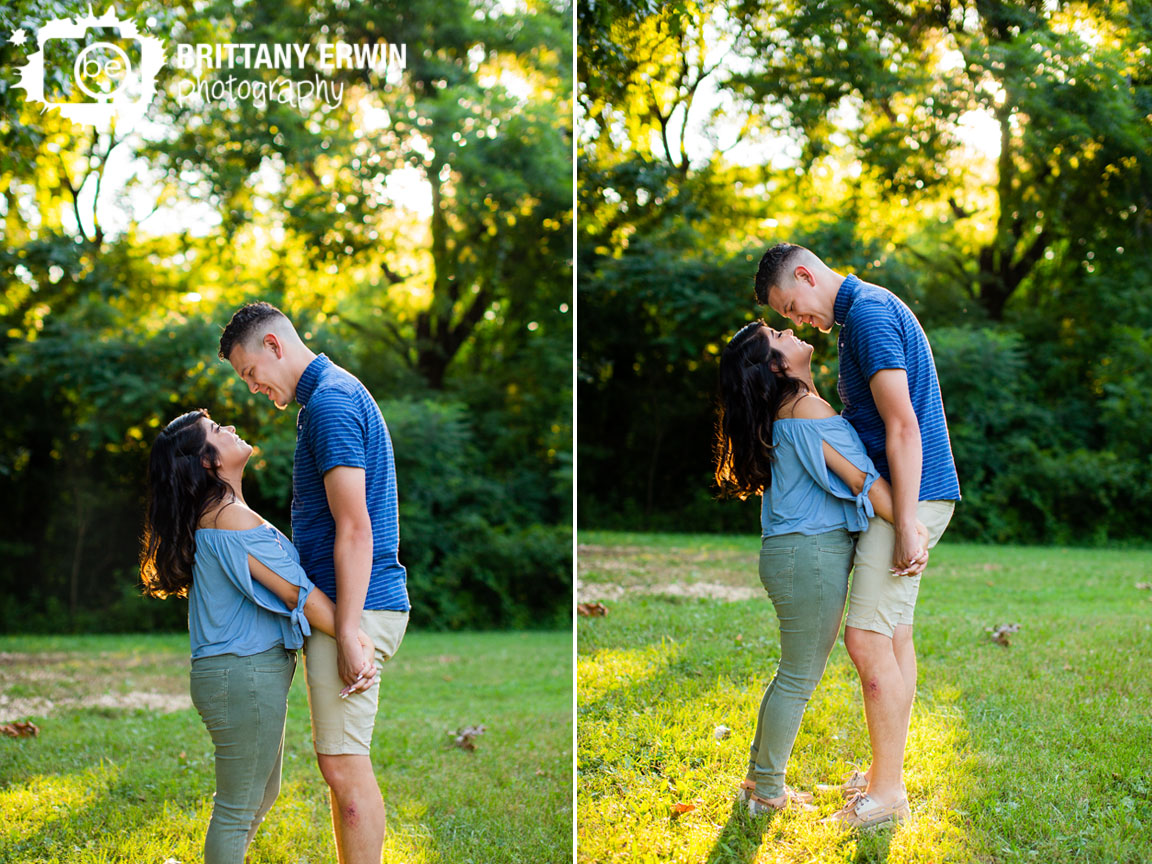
(807, 579)
(277, 706)
(243, 702)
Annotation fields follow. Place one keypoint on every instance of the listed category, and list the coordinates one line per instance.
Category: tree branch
(74, 193)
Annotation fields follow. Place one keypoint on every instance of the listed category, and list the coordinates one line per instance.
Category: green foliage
(851, 128)
(457, 315)
(474, 555)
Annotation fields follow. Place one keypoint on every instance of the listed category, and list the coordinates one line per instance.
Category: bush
(476, 557)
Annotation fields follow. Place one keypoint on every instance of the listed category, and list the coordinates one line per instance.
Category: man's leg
(883, 604)
(886, 709)
(882, 654)
(905, 650)
(358, 816)
(342, 736)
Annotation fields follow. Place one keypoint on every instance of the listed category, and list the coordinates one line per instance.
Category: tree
(456, 314)
(989, 162)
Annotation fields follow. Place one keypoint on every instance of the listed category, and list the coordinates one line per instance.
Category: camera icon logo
(90, 69)
(101, 70)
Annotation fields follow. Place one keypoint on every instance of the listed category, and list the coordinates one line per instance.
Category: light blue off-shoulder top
(805, 496)
(231, 613)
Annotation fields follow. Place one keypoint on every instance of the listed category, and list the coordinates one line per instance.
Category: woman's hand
(368, 670)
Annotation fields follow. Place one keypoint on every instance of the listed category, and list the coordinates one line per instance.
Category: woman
(249, 608)
(776, 437)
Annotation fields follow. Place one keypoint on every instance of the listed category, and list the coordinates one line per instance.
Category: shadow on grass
(739, 841)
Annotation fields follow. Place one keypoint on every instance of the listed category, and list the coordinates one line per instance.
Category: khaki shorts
(344, 726)
(879, 599)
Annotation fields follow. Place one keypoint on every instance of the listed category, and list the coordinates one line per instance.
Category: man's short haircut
(245, 322)
(772, 267)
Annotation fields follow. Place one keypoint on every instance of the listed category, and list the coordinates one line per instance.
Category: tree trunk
(77, 554)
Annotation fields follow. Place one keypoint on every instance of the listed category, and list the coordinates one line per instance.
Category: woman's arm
(318, 609)
(879, 493)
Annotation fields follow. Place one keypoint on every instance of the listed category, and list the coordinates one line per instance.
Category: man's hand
(910, 551)
(922, 533)
(366, 677)
(350, 661)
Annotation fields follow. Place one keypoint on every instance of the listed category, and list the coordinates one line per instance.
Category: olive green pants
(243, 702)
(807, 580)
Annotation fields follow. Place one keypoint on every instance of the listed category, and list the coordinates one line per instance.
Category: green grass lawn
(1038, 752)
(109, 782)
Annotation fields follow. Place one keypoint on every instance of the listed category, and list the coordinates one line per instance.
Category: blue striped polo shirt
(340, 424)
(878, 331)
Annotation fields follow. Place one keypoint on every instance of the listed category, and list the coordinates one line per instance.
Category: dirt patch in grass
(606, 573)
(40, 685)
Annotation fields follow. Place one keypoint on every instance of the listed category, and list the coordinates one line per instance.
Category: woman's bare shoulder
(232, 517)
(811, 407)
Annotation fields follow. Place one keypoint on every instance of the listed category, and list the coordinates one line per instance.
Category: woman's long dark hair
(754, 383)
(180, 490)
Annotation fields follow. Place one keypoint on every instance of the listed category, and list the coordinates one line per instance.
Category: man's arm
(353, 556)
(905, 461)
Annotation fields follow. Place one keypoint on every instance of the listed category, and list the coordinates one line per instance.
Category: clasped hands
(354, 662)
(910, 555)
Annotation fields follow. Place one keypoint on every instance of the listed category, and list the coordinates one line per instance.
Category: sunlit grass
(623, 668)
(113, 785)
(42, 799)
(1036, 752)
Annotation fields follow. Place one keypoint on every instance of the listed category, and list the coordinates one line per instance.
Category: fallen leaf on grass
(1000, 634)
(465, 738)
(594, 610)
(20, 730)
(1144, 586)
(721, 732)
(687, 806)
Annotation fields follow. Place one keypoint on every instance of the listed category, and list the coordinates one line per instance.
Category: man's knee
(345, 773)
(902, 639)
(866, 647)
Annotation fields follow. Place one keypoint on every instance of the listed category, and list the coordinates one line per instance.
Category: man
(891, 396)
(344, 524)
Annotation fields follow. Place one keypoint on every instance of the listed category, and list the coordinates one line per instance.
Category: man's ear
(272, 343)
(803, 274)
